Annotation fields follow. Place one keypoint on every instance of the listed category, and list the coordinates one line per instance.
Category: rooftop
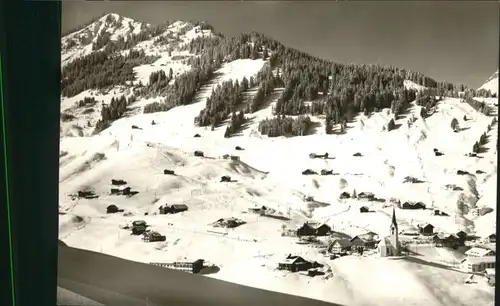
(480, 260)
(475, 251)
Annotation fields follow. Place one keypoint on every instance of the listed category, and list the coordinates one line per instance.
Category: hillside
(135, 95)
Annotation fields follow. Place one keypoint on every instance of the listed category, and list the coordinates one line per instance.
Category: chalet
(366, 195)
(313, 229)
(326, 172)
(409, 205)
(344, 195)
(112, 209)
(438, 212)
(153, 237)
(138, 227)
(121, 190)
(340, 246)
(357, 154)
(462, 172)
(492, 238)
(294, 264)
(438, 153)
(168, 171)
(478, 264)
(479, 252)
(238, 148)
(426, 229)
(177, 208)
(365, 241)
(225, 178)
(118, 182)
(87, 194)
(364, 209)
(308, 172)
(446, 240)
(135, 127)
(199, 154)
(489, 273)
(197, 135)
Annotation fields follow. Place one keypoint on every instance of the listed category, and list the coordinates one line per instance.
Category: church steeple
(394, 223)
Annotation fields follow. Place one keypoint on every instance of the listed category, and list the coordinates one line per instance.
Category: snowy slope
(269, 173)
(491, 84)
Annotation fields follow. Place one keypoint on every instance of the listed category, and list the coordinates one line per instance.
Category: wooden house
(308, 172)
(238, 148)
(118, 182)
(491, 238)
(344, 195)
(225, 178)
(409, 205)
(366, 195)
(177, 208)
(235, 157)
(446, 240)
(323, 230)
(326, 172)
(294, 264)
(462, 237)
(153, 237)
(313, 229)
(340, 246)
(111, 209)
(199, 153)
(168, 171)
(197, 135)
(364, 209)
(479, 252)
(365, 241)
(426, 229)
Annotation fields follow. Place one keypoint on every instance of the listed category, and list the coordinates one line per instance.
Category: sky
(456, 41)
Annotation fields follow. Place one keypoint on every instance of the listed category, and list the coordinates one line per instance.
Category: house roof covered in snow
(292, 259)
(342, 242)
(475, 251)
(480, 260)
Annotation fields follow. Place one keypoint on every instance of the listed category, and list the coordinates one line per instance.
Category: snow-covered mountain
(491, 84)
(128, 113)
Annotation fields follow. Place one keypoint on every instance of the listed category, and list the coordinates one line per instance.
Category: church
(390, 246)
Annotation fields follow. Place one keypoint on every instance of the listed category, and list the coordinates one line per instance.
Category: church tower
(394, 234)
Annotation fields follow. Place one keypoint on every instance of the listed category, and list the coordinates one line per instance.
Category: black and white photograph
(344, 152)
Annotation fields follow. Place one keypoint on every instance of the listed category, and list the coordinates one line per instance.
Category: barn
(426, 229)
(294, 264)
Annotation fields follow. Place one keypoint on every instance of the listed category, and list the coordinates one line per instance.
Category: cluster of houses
(119, 187)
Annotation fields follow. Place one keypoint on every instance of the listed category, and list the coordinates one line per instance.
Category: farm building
(87, 194)
(199, 153)
(225, 178)
(313, 229)
(491, 238)
(186, 266)
(177, 208)
(479, 252)
(153, 237)
(121, 190)
(238, 148)
(118, 182)
(258, 210)
(228, 222)
(365, 241)
(326, 172)
(344, 195)
(426, 229)
(364, 209)
(438, 212)
(478, 264)
(308, 172)
(111, 209)
(409, 205)
(168, 171)
(446, 240)
(294, 264)
(366, 195)
(235, 157)
(340, 246)
(138, 227)
(197, 135)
